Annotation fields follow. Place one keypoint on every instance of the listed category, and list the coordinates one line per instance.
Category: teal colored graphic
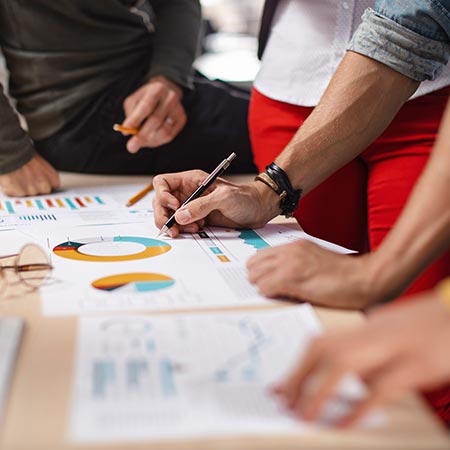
(252, 238)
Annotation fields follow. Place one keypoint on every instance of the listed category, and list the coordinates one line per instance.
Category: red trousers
(359, 204)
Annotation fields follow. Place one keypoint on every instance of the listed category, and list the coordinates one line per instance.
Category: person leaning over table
(79, 66)
(383, 69)
(359, 202)
(401, 347)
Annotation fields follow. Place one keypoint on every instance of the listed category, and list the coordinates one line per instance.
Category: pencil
(125, 130)
(140, 195)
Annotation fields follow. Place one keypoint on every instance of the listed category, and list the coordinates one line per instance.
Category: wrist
(267, 201)
(278, 181)
(386, 278)
(167, 82)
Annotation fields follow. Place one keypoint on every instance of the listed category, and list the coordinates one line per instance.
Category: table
(39, 400)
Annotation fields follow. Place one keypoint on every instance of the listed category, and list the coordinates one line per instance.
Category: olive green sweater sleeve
(16, 147)
(177, 30)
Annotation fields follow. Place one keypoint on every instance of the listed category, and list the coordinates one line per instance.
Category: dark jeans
(216, 126)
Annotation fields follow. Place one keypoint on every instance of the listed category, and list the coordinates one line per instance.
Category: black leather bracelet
(289, 197)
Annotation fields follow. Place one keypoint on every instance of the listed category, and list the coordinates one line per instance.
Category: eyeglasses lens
(33, 266)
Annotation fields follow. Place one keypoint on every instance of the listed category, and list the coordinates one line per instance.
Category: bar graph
(38, 218)
(50, 204)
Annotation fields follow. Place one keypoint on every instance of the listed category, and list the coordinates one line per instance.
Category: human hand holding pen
(155, 110)
(224, 203)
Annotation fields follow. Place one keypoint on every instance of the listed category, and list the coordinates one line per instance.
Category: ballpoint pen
(199, 191)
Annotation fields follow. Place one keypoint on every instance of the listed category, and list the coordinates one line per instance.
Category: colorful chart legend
(111, 249)
(136, 282)
(34, 204)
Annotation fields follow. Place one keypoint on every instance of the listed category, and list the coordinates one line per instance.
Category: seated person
(79, 66)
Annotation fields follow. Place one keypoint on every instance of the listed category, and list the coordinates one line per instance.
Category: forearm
(360, 102)
(422, 232)
(16, 148)
(176, 39)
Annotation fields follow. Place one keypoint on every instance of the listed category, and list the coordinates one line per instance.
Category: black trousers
(216, 126)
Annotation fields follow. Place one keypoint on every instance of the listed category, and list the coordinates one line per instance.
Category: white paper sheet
(74, 207)
(204, 270)
(172, 377)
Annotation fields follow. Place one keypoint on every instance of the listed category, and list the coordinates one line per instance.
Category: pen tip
(162, 230)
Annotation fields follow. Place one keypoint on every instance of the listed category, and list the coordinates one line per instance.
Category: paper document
(173, 377)
(74, 207)
(125, 267)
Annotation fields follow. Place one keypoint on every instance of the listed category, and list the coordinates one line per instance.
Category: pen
(139, 195)
(125, 130)
(202, 188)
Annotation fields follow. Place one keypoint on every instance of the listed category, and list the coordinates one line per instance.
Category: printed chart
(153, 369)
(32, 205)
(111, 249)
(205, 270)
(134, 282)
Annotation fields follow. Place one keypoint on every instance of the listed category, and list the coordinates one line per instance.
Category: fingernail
(132, 146)
(183, 216)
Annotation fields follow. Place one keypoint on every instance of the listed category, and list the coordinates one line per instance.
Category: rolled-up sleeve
(411, 37)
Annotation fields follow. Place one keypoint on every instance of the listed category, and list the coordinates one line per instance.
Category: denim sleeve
(411, 37)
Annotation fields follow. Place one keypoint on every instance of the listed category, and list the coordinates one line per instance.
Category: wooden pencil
(139, 195)
(125, 130)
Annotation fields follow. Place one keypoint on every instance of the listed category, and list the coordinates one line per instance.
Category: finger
(323, 390)
(14, 190)
(168, 130)
(200, 208)
(130, 102)
(291, 388)
(43, 185)
(53, 177)
(262, 255)
(259, 272)
(144, 107)
(183, 182)
(157, 119)
(390, 382)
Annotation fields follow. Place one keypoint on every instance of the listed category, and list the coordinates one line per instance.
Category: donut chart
(139, 282)
(111, 249)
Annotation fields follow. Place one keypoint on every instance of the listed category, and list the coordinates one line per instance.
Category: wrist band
(276, 178)
(443, 290)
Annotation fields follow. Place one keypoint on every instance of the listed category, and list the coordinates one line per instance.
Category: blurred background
(229, 41)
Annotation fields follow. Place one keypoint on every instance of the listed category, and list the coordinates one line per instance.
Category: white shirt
(307, 42)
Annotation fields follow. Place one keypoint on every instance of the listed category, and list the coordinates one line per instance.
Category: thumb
(196, 210)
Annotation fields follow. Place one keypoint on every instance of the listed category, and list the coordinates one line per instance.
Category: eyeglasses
(31, 265)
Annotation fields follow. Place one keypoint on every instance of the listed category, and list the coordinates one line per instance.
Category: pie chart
(139, 282)
(111, 249)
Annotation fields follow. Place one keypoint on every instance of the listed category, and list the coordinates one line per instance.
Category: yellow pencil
(140, 195)
(125, 130)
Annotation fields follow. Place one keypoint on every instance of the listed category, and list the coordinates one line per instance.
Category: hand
(400, 348)
(224, 203)
(157, 111)
(304, 271)
(34, 178)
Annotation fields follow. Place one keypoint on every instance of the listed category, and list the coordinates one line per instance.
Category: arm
(176, 37)
(156, 107)
(22, 171)
(361, 100)
(305, 271)
(398, 350)
(16, 148)
(422, 232)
